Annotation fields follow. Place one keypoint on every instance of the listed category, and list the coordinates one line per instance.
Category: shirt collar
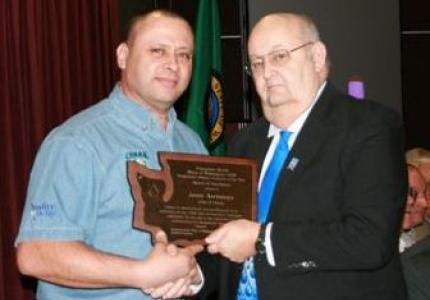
(297, 125)
(139, 114)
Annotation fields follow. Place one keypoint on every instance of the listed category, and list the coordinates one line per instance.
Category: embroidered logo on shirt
(137, 156)
(43, 209)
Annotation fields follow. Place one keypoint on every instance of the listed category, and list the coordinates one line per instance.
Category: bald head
(297, 25)
(138, 23)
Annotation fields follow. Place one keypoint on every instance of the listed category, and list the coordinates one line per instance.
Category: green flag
(204, 108)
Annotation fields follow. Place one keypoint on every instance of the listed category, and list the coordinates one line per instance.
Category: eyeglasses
(276, 58)
(414, 194)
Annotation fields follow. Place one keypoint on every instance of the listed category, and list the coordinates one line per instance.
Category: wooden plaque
(192, 194)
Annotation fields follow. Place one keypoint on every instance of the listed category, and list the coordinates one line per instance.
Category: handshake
(175, 271)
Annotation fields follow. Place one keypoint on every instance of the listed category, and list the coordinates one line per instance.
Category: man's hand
(168, 263)
(181, 286)
(234, 240)
(178, 288)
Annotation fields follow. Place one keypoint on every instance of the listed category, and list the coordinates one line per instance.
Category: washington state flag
(204, 111)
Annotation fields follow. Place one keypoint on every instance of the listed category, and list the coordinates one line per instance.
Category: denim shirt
(79, 191)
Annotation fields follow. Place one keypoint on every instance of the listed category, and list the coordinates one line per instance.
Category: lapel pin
(293, 163)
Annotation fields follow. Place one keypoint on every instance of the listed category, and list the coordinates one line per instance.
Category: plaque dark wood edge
(134, 167)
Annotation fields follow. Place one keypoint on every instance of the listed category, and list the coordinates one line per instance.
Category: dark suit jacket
(336, 215)
(416, 267)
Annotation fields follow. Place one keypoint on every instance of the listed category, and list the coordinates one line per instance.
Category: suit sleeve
(209, 265)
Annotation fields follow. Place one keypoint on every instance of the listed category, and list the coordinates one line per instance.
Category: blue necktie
(247, 285)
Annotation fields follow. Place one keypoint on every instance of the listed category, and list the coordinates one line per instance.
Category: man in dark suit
(334, 219)
(416, 266)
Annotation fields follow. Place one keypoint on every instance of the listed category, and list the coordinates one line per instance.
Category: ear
(121, 55)
(319, 56)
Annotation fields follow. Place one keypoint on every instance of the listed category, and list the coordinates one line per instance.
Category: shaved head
(300, 25)
(136, 24)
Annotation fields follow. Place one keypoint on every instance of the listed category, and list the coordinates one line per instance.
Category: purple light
(356, 88)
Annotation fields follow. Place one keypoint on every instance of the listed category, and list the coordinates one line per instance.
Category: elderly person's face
(285, 78)
(416, 205)
(157, 63)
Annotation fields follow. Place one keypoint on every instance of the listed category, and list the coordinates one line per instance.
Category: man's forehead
(150, 20)
(274, 30)
(165, 32)
(265, 41)
(156, 24)
(279, 23)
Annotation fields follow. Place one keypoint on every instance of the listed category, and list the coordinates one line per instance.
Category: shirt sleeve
(195, 288)
(268, 243)
(60, 202)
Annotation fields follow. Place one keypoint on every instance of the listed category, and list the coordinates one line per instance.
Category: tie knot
(285, 136)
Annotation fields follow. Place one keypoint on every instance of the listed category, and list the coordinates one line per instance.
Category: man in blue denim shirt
(76, 234)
